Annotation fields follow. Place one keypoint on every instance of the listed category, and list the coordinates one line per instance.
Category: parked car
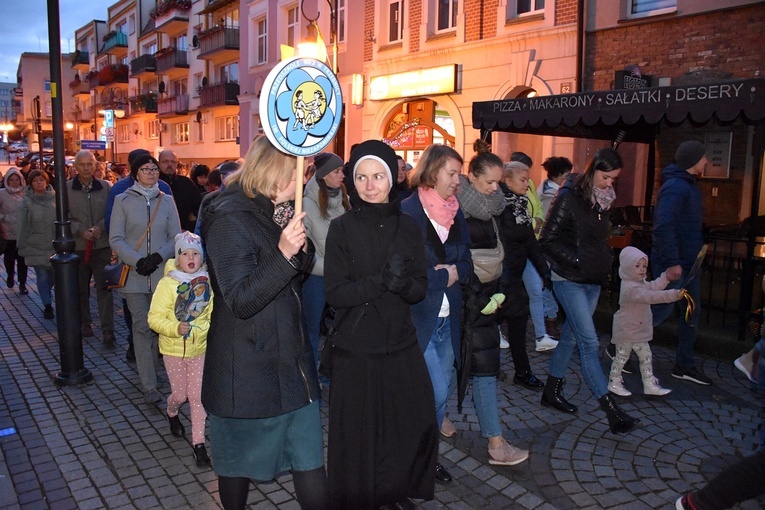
(18, 147)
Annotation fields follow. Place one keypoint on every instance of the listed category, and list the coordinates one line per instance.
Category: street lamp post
(313, 29)
(65, 261)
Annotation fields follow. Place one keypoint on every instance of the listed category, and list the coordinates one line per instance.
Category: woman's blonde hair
(432, 160)
(265, 167)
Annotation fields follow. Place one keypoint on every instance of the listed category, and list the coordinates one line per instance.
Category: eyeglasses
(149, 170)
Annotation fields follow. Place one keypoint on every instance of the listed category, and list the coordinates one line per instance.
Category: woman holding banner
(260, 386)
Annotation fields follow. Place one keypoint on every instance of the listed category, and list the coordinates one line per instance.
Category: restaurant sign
(422, 82)
(612, 98)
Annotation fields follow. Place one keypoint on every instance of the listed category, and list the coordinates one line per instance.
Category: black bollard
(65, 261)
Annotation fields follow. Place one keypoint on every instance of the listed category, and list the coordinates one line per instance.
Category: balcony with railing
(80, 61)
(79, 88)
(92, 79)
(218, 42)
(219, 95)
(171, 58)
(171, 16)
(143, 103)
(143, 65)
(113, 73)
(175, 105)
(115, 43)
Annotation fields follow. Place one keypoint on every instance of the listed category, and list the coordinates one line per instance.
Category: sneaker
(48, 312)
(545, 343)
(616, 386)
(503, 343)
(507, 455)
(740, 363)
(447, 428)
(153, 396)
(692, 374)
(628, 368)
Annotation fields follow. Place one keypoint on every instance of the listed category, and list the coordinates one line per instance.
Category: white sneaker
(741, 364)
(503, 343)
(616, 386)
(546, 343)
(651, 387)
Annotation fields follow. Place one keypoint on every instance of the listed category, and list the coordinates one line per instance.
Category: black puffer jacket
(575, 237)
(520, 245)
(258, 362)
(370, 319)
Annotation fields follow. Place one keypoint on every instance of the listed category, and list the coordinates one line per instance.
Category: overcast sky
(25, 28)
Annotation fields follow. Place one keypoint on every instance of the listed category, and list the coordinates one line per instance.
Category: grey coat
(36, 227)
(316, 226)
(9, 206)
(130, 217)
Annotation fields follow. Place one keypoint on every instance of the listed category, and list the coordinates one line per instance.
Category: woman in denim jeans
(575, 241)
(447, 243)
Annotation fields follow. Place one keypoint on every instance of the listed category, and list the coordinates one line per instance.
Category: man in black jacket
(185, 192)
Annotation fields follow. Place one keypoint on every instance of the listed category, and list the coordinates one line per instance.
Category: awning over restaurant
(602, 114)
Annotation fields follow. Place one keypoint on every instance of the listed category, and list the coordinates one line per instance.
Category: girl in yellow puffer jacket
(180, 313)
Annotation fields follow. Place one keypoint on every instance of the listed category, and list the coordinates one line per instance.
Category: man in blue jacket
(677, 240)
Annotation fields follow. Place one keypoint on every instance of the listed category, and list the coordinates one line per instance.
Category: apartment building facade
(168, 69)
(32, 96)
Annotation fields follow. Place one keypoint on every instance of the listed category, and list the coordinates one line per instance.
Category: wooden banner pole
(299, 172)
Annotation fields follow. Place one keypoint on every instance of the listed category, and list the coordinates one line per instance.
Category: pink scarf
(439, 210)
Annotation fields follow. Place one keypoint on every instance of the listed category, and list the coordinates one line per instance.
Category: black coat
(187, 199)
(520, 245)
(369, 318)
(575, 237)
(478, 329)
(258, 362)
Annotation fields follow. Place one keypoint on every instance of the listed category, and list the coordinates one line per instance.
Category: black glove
(145, 266)
(547, 283)
(394, 274)
(156, 259)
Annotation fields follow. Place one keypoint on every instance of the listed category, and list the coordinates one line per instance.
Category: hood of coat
(11, 171)
(674, 171)
(628, 259)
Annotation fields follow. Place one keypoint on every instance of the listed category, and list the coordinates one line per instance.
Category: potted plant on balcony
(120, 71)
(166, 6)
(209, 31)
(91, 74)
(164, 51)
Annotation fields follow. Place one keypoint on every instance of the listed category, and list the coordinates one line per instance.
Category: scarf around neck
(603, 198)
(149, 193)
(439, 210)
(519, 205)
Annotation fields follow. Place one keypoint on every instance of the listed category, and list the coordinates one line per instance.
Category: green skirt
(261, 449)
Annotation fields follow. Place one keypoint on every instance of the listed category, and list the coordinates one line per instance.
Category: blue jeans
(686, 332)
(439, 357)
(579, 301)
(45, 282)
(541, 302)
(485, 400)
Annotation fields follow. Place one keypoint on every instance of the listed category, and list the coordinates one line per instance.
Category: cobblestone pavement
(100, 446)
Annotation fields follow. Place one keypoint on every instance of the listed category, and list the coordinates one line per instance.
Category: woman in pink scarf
(447, 243)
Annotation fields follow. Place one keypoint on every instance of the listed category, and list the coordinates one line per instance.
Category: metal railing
(220, 94)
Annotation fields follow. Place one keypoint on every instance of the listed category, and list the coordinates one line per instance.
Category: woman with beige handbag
(142, 232)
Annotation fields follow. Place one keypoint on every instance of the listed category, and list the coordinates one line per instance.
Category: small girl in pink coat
(633, 322)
